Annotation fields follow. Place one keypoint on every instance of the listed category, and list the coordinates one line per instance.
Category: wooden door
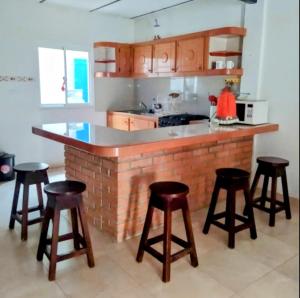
(118, 122)
(143, 56)
(190, 55)
(141, 124)
(124, 60)
(164, 57)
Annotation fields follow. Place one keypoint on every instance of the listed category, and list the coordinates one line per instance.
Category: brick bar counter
(118, 166)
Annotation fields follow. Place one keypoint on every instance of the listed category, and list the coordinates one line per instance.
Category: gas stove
(179, 119)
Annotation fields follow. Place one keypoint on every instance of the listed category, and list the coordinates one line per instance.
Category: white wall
(279, 84)
(25, 25)
(192, 17)
(194, 92)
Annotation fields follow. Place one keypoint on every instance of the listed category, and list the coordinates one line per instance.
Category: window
(64, 76)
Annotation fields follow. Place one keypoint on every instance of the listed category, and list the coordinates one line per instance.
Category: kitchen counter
(108, 142)
(119, 166)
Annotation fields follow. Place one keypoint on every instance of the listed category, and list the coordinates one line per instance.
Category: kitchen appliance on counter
(179, 119)
(252, 112)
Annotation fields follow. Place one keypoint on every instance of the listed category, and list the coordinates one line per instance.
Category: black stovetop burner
(179, 119)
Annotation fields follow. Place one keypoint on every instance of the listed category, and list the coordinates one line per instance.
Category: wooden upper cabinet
(164, 57)
(124, 59)
(190, 55)
(142, 59)
(185, 55)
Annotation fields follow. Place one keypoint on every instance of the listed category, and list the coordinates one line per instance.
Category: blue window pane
(83, 134)
(81, 77)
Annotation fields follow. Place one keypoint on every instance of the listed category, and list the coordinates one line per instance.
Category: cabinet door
(141, 124)
(143, 56)
(118, 122)
(164, 57)
(190, 56)
(124, 60)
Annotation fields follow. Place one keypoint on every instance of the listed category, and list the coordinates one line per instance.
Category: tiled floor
(267, 267)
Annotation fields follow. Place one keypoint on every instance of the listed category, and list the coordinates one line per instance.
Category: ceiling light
(156, 24)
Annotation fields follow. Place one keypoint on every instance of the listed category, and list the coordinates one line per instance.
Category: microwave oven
(252, 112)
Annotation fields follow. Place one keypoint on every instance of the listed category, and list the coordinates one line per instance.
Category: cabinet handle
(200, 68)
(174, 69)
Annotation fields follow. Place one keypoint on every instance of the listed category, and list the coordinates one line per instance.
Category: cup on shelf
(229, 64)
(218, 65)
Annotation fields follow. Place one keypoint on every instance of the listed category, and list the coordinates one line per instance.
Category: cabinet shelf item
(225, 53)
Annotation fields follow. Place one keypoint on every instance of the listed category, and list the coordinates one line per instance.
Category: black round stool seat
(232, 173)
(168, 196)
(169, 190)
(66, 188)
(271, 167)
(232, 180)
(28, 174)
(273, 161)
(31, 167)
(65, 195)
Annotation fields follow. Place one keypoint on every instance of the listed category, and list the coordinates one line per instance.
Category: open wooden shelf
(100, 74)
(225, 53)
(225, 72)
(105, 61)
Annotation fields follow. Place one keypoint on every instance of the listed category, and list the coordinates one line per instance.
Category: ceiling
(124, 8)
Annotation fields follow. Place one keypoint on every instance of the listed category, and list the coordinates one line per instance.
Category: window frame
(67, 105)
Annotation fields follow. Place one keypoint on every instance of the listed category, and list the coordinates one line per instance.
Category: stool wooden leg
(25, 212)
(74, 220)
(264, 191)
(230, 218)
(46, 178)
(212, 207)
(145, 233)
(86, 235)
(40, 198)
(273, 202)
(253, 187)
(249, 205)
(14, 205)
(54, 245)
(167, 245)
(44, 233)
(189, 234)
(286, 196)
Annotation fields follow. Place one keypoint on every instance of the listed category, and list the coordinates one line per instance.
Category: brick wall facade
(117, 188)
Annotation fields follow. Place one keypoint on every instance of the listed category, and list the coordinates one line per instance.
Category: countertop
(108, 142)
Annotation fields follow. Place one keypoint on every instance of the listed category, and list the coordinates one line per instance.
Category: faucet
(144, 106)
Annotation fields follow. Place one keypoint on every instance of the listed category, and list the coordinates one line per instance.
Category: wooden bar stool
(64, 195)
(28, 174)
(231, 180)
(168, 197)
(271, 167)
